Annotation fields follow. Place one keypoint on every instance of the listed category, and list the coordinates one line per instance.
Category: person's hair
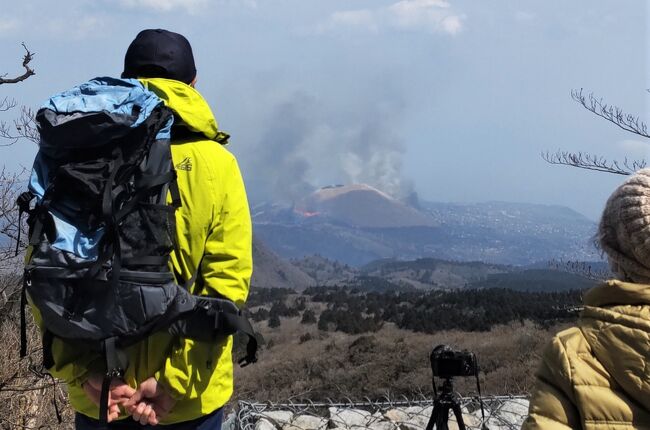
(152, 71)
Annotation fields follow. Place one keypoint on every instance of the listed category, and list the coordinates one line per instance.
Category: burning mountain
(361, 205)
(356, 224)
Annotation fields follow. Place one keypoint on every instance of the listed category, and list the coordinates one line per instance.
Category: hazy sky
(453, 99)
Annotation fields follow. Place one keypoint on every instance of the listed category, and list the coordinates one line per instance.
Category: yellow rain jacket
(213, 229)
(597, 375)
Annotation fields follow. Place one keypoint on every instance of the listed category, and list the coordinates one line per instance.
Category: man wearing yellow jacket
(174, 382)
(597, 375)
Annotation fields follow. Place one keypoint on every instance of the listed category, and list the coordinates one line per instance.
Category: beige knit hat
(624, 230)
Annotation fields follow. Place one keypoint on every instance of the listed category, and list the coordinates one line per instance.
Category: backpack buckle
(23, 201)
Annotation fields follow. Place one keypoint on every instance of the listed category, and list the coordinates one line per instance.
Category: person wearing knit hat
(596, 375)
(624, 231)
(172, 381)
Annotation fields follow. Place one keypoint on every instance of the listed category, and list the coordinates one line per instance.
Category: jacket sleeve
(552, 404)
(227, 263)
(226, 269)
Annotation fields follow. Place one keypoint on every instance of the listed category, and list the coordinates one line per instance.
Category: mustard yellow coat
(213, 230)
(597, 375)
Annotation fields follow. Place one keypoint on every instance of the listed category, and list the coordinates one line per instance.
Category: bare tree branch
(616, 116)
(593, 162)
(27, 58)
(581, 268)
(7, 104)
(24, 126)
(613, 114)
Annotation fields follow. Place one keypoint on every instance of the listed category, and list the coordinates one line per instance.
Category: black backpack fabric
(101, 231)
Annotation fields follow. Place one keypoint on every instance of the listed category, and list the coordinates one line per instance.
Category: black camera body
(447, 363)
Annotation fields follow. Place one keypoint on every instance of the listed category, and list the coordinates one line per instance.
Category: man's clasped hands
(147, 404)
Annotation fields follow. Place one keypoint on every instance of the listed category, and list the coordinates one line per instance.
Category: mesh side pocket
(148, 231)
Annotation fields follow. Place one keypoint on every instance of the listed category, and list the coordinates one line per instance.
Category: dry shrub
(391, 362)
(26, 393)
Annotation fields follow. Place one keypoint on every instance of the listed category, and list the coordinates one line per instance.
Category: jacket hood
(190, 108)
(616, 324)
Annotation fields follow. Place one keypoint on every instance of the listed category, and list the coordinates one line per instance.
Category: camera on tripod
(447, 363)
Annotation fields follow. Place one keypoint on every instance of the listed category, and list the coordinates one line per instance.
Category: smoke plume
(307, 144)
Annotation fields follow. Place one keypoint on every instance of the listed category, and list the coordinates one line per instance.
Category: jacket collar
(615, 292)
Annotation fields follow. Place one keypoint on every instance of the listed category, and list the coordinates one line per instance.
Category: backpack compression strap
(221, 314)
(242, 324)
(116, 362)
(213, 317)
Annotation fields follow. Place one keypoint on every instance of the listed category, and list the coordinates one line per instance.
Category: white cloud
(252, 4)
(355, 18)
(418, 13)
(8, 25)
(190, 6)
(523, 16)
(86, 26)
(434, 16)
(452, 24)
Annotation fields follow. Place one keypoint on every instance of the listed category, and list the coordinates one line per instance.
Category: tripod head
(446, 388)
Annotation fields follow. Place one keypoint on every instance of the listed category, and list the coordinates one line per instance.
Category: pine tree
(308, 317)
(274, 321)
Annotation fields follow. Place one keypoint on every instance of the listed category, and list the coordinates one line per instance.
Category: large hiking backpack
(101, 231)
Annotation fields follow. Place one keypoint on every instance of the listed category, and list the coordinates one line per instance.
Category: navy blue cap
(160, 54)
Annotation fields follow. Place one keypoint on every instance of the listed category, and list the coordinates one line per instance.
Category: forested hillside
(535, 280)
(355, 311)
(436, 274)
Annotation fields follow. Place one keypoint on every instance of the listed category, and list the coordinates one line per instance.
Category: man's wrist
(164, 384)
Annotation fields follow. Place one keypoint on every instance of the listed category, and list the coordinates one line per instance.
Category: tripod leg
(442, 418)
(459, 415)
(433, 421)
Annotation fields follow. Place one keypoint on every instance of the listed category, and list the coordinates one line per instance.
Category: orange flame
(306, 214)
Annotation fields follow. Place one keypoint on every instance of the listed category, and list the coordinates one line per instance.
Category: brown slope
(361, 205)
(325, 271)
(271, 271)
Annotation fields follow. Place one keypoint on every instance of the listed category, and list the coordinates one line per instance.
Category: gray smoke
(307, 144)
(278, 169)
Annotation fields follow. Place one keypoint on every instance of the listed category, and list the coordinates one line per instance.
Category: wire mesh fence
(500, 412)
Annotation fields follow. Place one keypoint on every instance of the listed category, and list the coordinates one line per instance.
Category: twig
(27, 58)
(616, 116)
(613, 114)
(26, 389)
(593, 162)
(7, 104)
